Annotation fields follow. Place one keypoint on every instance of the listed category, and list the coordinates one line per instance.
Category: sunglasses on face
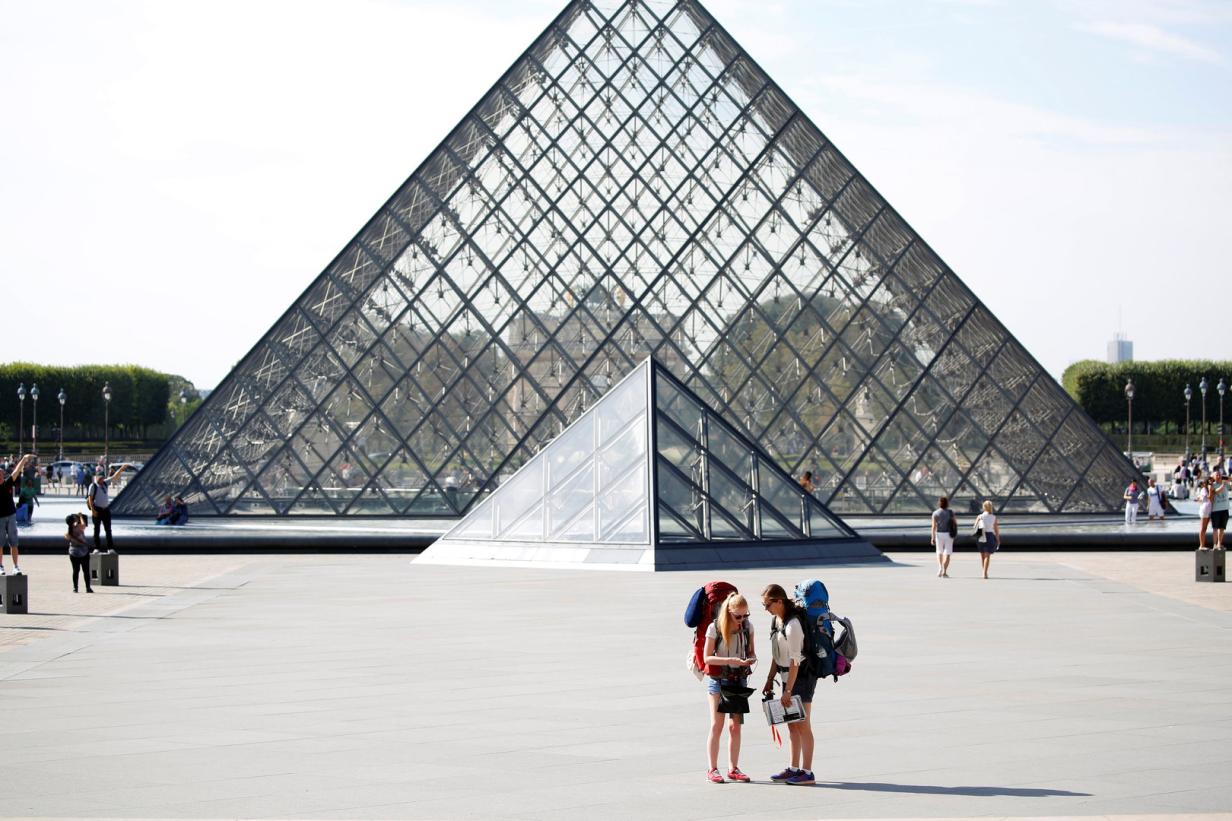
(739, 616)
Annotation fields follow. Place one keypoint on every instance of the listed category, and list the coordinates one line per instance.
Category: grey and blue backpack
(813, 598)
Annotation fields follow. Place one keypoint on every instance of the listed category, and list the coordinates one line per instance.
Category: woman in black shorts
(787, 641)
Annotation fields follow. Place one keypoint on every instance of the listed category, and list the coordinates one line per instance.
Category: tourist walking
(944, 529)
(99, 503)
(1132, 497)
(806, 482)
(729, 658)
(1202, 495)
(1219, 508)
(1154, 501)
(8, 514)
(787, 631)
(988, 535)
(78, 550)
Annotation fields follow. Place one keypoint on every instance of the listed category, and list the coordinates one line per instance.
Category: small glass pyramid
(649, 478)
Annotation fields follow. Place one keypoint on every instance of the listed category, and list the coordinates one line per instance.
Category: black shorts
(805, 686)
(1219, 519)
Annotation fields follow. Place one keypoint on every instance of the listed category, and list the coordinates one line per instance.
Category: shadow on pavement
(930, 789)
(97, 616)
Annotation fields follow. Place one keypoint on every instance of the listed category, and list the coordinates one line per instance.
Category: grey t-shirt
(98, 494)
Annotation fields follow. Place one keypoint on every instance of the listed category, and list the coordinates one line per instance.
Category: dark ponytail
(775, 592)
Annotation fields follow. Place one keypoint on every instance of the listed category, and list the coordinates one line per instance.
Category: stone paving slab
(369, 687)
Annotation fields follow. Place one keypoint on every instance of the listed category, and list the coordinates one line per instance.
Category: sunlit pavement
(368, 687)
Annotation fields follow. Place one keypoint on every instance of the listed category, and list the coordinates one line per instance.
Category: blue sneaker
(779, 778)
(802, 778)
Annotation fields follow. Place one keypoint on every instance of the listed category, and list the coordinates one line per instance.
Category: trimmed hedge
(140, 399)
(1159, 392)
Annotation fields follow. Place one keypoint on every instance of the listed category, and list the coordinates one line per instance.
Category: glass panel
(478, 525)
(517, 496)
(683, 411)
(781, 495)
(735, 499)
(570, 451)
(681, 452)
(621, 405)
(566, 500)
(529, 528)
(737, 456)
(820, 527)
(622, 508)
(683, 498)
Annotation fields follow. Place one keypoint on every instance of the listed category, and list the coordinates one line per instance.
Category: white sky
(173, 174)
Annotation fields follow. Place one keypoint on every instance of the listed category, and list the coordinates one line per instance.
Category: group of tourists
(1135, 495)
(1209, 491)
(803, 651)
(13, 498)
(1211, 494)
(944, 532)
(1193, 470)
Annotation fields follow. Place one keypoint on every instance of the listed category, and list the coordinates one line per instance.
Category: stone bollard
(13, 594)
(105, 569)
(1209, 565)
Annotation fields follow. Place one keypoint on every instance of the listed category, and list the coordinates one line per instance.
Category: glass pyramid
(633, 185)
(649, 477)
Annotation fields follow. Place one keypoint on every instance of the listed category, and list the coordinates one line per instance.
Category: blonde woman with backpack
(729, 658)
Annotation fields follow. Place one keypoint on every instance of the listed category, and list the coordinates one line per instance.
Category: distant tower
(1120, 349)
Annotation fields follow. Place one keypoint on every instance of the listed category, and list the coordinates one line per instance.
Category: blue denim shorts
(712, 684)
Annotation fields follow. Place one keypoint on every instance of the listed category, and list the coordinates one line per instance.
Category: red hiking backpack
(702, 608)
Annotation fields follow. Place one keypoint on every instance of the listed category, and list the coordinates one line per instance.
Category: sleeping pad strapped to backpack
(702, 608)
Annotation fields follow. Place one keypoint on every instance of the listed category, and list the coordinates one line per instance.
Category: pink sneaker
(734, 774)
(714, 776)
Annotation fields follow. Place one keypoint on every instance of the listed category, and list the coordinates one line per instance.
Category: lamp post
(183, 404)
(106, 425)
(63, 397)
(1129, 432)
(21, 416)
(1202, 388)
(34, 424)
(1188, 396)
(1222, 387)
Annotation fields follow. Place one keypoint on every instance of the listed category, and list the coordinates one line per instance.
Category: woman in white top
(787, 641)
(990, 535)
(1202, 495)
(1154, 500)
(728, 657)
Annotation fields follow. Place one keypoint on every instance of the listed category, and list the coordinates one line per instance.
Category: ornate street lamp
(63, 397)
(21, 416)
(1202, 386)
(106, 426)
(1188, 396)
(34, 423)
(1129, 432)
(1222, 387)
(183, 405)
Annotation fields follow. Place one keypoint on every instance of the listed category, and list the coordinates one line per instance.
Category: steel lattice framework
(634, 185)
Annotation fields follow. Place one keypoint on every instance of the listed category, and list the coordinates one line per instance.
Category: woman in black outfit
(78, 551)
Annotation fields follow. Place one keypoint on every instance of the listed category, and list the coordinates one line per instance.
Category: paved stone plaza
(368, 687)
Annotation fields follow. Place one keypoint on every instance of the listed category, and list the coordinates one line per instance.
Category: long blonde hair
(727, 625)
